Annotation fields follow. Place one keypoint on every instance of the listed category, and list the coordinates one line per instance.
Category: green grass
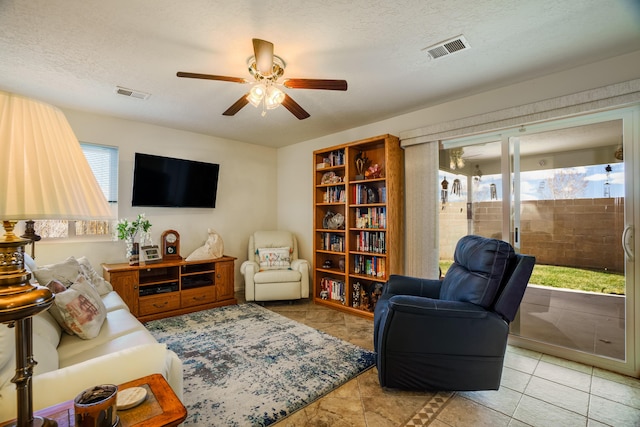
(571, 278)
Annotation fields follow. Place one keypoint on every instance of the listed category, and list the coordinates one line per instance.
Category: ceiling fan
(267, 68)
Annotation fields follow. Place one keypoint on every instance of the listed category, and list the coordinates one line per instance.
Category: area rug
(245, 365)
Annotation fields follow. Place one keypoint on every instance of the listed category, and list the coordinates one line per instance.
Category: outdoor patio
(584, 321)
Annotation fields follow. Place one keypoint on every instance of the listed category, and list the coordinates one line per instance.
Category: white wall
(246, 194)
(247, 198)
(295, 162)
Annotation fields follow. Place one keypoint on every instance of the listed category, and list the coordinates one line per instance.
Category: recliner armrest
(301, 265)
(248, 270)
(406, 285)
(435, 307)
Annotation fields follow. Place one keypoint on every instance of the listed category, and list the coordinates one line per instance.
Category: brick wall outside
(582, 233)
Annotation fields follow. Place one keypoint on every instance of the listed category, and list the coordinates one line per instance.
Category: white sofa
(123, 350)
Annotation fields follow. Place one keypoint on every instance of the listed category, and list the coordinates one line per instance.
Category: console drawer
(159, 303)
(198, 296)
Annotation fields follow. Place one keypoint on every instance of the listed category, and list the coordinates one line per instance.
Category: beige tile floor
(536, 390)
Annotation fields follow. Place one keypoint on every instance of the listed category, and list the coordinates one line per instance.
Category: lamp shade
(43, 171)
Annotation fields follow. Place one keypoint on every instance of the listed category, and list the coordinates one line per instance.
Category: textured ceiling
(73, 53)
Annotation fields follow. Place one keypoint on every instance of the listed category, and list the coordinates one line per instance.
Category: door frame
(630, 117)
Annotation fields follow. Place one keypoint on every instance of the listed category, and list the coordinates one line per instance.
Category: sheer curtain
(421, 207)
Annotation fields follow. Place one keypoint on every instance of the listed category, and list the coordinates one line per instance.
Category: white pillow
(102, 286)
(80, 309)
(56, 287)
(274, 258)
(65, 272)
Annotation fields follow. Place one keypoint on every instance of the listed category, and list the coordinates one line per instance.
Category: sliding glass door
(562, 192)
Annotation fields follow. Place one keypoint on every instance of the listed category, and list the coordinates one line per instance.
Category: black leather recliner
(451, 334)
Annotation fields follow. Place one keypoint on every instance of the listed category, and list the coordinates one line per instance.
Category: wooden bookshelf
(358, 222)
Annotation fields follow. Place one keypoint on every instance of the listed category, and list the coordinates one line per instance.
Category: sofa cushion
(7, 355)
(123, 342)
(80, 308)
(277, 276)
(479, 265)
(47, 328)
(117, 323)
(112, 301)
(46, 334)
(45, 354)
(274, 258)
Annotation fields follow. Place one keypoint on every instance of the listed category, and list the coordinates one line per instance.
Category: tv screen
(169, 182)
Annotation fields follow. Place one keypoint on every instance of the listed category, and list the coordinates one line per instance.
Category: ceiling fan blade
(211, 77)
(263, 51)
(237, 106)
(295, 108)
(315, 84)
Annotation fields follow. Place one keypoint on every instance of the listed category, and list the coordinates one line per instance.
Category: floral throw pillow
(102, 286)
(274, 258)
(80, 309)
(64, 272)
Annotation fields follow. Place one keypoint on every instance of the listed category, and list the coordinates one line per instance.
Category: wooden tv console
(170, 288)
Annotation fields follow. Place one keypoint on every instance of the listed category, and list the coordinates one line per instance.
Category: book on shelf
(365, 194)
(371, 217)
(369, 266)
(371, 241)
(332, 242)
(334, 194)
(332, 289)
(335, 158)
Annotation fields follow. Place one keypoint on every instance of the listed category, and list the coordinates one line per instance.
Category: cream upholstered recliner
(273, 270)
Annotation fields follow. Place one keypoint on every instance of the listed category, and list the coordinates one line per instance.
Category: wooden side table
(161, 407)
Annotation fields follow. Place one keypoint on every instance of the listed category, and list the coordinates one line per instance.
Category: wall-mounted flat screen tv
(169, 182)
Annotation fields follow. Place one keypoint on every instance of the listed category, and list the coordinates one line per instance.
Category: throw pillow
(56, 287)
(80, 308)
(274, 258)
(65, 272)
(102, 286)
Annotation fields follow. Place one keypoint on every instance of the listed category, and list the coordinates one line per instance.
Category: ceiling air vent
(132, 93)
(447, 47)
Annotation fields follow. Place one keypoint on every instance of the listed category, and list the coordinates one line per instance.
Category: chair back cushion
(480, 264)
(270, 240)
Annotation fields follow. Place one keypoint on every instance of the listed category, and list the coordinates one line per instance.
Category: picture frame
(150, 254)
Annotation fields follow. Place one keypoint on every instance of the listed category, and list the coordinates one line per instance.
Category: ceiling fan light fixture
(267, 68)
(256, 94)
(273, 98)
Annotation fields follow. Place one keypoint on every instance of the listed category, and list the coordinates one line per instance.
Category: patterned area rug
(245, 365)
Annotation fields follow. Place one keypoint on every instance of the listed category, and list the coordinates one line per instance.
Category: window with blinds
(103, 161)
